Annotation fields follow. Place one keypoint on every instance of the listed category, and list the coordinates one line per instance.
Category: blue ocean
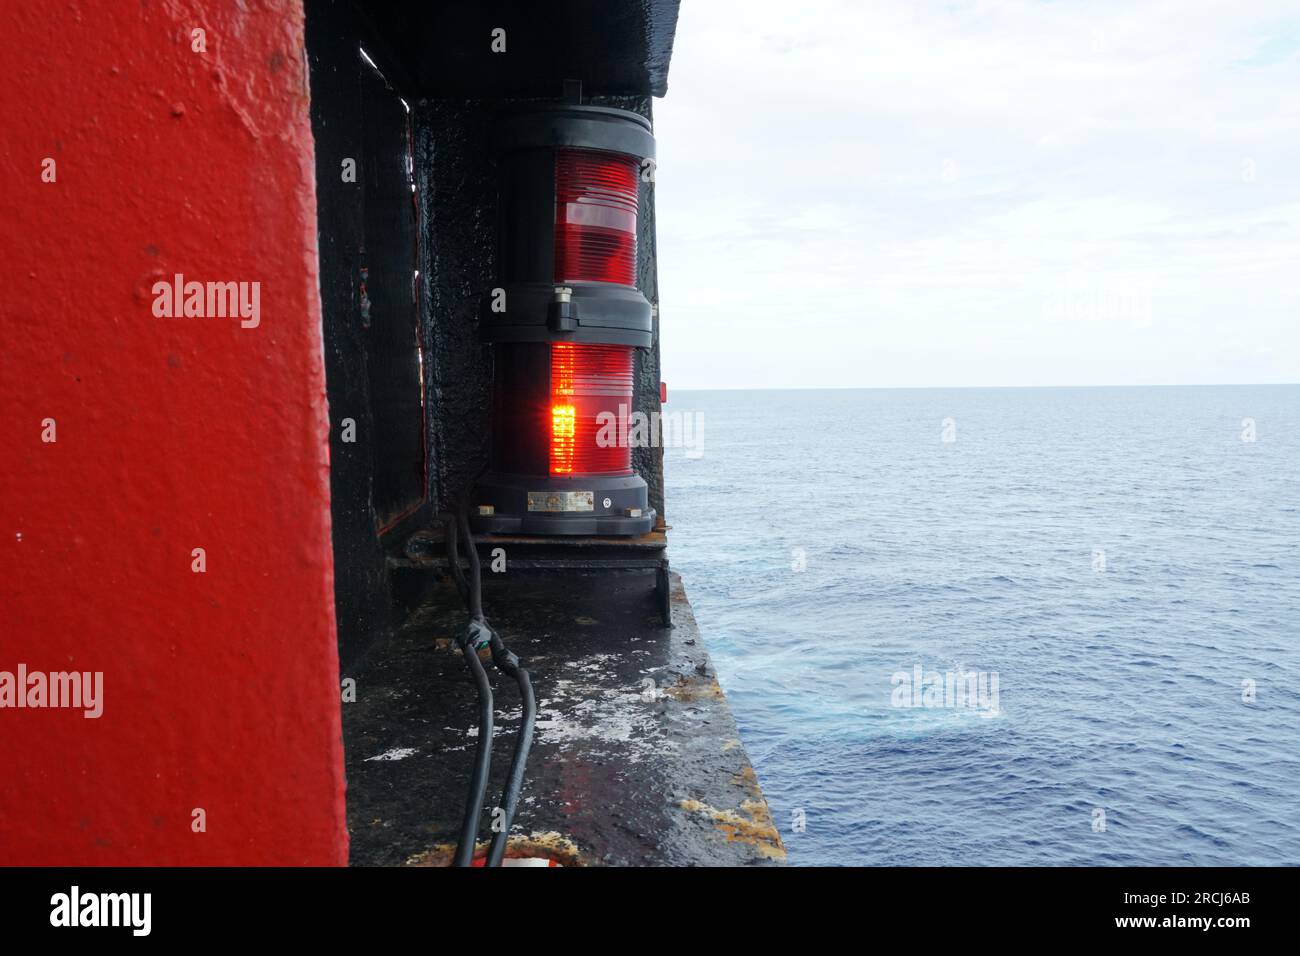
(1123, 564)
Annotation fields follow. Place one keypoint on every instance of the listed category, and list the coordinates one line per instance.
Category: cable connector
(504, 659)
(477, 634)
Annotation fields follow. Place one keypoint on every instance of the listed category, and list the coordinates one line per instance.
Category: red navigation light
(563, 413)
(564, 351)
(595, 217)
(591, 393)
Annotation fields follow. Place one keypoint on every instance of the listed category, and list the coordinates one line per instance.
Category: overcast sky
(867, 194)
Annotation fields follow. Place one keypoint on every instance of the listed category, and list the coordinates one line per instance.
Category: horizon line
(918, 388)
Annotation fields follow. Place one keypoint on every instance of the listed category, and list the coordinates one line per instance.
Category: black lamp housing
(565, 320)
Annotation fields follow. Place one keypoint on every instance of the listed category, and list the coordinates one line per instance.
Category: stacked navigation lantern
(565, 321)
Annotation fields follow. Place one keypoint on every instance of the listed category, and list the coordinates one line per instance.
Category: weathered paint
(366, 228)
(636, 759)
(220, 688)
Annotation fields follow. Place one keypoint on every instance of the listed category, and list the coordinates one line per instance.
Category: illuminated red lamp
(591, 394)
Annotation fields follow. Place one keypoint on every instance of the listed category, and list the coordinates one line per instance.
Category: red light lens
(591, 395)
(595, 217)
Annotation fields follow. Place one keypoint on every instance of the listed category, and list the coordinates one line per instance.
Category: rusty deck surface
(636, 758)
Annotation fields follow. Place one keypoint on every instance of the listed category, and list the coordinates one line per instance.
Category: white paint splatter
(397, 753)
(582, 714)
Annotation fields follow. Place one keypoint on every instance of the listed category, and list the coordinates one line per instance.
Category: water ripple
(1120, 558)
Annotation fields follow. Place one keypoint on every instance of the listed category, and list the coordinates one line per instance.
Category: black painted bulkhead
(402, 272)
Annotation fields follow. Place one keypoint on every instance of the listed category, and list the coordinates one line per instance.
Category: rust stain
(551, 845)
(692, 689)
(747, 779)
(752, 824)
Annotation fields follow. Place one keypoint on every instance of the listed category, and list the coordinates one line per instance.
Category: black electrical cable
(507, 663)
(453, 558)
(469, 645)
(470, 640)
(475, 576)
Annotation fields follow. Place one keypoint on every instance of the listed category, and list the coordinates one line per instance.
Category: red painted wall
(220, 689)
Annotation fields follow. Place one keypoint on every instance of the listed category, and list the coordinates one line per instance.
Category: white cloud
(898, 194)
